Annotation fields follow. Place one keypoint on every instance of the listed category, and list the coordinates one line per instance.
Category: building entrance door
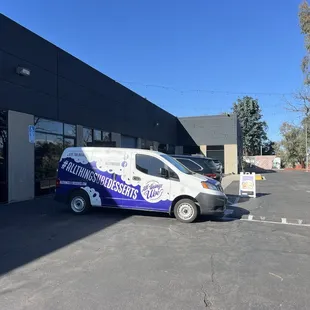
(3, 157)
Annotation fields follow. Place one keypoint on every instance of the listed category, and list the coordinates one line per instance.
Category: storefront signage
(247, 186)
(32, 134)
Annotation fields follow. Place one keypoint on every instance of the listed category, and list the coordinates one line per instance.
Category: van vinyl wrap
(108, 181)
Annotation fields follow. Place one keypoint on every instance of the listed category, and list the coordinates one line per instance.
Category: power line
(225, 92)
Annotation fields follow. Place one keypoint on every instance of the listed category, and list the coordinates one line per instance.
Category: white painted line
(284, 221)
(275, 275)
(299, 222)
(250, 217)
(308, 191)
(272, 222)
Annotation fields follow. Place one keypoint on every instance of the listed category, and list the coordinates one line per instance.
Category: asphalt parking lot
(52, 259)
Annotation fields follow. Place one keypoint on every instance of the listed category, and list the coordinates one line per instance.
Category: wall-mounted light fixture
(156, 124)
(23, 71)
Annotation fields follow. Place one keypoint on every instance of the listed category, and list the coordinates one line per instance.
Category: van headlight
(208, 185)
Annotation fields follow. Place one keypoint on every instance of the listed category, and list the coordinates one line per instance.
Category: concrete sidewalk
(228, 179)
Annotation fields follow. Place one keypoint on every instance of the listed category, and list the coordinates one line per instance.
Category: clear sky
(229, 47)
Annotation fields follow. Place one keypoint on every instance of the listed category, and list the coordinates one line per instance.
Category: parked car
(135, 179)
(200, 164)
(218, 164)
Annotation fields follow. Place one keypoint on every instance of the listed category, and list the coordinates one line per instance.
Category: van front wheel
(186, 211)
(79, 202)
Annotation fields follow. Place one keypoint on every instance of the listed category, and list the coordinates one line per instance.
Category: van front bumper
(211, 204)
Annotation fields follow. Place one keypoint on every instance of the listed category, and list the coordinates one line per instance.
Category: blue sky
(233, 47)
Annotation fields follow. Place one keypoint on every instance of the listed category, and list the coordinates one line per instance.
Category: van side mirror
(163, 173)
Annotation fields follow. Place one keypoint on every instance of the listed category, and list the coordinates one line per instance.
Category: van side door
(153, 186)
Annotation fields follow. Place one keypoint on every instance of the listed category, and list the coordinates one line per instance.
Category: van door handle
(136, 178)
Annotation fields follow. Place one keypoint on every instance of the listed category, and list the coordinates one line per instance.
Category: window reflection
(69, 130)
(106, 136)
(95, 137)
(51, 139)
(69, 142)
(48, 149)
(48, 126)
(87, 136)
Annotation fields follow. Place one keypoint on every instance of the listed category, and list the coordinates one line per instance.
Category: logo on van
(152, 191)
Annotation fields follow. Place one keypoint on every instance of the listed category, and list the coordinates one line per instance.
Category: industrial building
(216, 136)
(50, 100)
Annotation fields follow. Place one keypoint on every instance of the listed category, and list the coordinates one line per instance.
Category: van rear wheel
(186, 211)
(79, 202)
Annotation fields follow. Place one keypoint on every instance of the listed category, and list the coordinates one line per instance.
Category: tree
(292, 146)
(269, 148)
(304, 22)
(253, 128)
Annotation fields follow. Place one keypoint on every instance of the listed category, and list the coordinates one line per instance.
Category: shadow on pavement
(32, 229)
(257, 169)
(233, 198)
(231, 214)
(262, 194)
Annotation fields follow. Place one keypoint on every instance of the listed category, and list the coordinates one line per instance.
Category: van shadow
(231, 214)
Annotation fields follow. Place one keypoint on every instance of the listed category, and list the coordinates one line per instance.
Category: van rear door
(153, 188)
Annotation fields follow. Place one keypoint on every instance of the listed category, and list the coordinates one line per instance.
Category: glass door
(3, 157)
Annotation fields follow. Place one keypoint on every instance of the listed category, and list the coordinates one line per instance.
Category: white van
(135, 179)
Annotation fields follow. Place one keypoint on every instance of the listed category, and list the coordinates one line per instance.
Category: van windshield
(176, 164)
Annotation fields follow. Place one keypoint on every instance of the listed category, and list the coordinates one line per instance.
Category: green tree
(269, 148)
(253, 127)
(292, 146)
(304, 22)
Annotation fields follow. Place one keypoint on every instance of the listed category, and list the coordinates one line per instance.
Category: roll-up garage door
(128, 142)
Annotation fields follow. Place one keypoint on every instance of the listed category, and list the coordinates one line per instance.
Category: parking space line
(272, 222)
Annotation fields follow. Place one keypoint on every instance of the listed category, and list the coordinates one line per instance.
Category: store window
(95, 137)
(3, 156)
(51, 139)
(166, 148)
(147, 144)
(87, 136)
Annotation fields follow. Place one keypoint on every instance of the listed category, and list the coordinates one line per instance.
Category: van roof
(87, 148)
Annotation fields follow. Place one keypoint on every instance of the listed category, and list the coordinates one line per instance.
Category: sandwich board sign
(247, 185)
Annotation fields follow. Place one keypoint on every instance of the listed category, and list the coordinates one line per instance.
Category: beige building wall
(231, 158)
(21, 157)
(203, 149)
